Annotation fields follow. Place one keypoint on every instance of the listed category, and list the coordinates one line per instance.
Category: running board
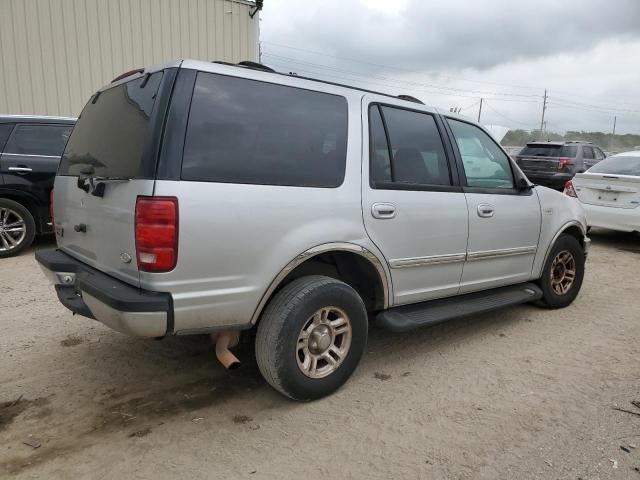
(408, 317)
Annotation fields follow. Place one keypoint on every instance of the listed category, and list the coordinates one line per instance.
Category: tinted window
(46, 140)
(485, 164)
(569, 151)
(617, 166)
(587, 152)
(245, 131)
(111, 132)
(5, 131)
(416, 148)
(380, 166)
(599, 154)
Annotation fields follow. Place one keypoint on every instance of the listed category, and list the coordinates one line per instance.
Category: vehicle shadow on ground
(628, 242)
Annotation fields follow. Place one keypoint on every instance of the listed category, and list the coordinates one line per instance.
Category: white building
(55, 53)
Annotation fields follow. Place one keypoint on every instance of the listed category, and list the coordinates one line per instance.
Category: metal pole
(615, 117)
(480, 111)
(544, 108)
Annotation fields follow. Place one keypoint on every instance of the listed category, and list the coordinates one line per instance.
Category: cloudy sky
(451, 53)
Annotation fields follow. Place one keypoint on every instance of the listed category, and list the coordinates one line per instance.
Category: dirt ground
(519, 394)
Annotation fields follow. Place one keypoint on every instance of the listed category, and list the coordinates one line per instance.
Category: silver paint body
(237, 242)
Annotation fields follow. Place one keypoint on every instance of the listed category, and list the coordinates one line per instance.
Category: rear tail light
(51, 205)
(569, 190)
(156, 233)
(562, 163)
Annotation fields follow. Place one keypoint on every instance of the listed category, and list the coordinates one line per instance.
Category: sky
(451, 53)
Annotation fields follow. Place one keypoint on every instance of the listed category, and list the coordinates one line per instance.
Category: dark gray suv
(552, 164)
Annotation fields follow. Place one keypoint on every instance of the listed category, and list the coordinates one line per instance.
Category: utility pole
(544, 109)
(615, 117)
(480, 111)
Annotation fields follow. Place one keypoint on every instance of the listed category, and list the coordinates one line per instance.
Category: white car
(610, 192)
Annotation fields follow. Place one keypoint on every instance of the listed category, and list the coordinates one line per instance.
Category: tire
(14, 214)
(309, 303)
(554, 295)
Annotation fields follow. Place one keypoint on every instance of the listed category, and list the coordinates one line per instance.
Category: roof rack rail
(409, 98)
(256, 66)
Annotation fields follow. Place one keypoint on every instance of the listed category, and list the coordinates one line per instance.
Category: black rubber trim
(112, 292)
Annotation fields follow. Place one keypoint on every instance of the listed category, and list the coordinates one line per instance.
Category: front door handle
(383, 210)
(485, 210)
(20, 169)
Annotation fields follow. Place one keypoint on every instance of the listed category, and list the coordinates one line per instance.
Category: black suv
(30, 149)
(553, 163)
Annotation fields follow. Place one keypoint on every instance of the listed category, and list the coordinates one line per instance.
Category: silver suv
(211, 198)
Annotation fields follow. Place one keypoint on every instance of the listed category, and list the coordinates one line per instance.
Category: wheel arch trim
(561, 230)
(326, 248)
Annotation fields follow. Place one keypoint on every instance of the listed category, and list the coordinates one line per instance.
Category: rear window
(549, 151)
(246, 131)
(617, 166)
(40, 140)
(111, 132)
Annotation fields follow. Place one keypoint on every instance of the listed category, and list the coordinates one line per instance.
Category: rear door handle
(383, 210)
(20, 169)
(485, 210)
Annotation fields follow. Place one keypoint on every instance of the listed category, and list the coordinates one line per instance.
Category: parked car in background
(610, 192)
(553, 163)
(212, 198)
(30, 150)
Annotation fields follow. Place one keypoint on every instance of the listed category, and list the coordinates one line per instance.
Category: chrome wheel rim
(323, 342)
(563, 272)
(13, 229)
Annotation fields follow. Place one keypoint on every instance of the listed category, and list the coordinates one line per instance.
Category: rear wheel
(17, 228)
(311, 337)
(563, 273)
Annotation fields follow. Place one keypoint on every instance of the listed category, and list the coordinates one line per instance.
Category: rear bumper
(93, 294)
(621, 219)
(552, 180)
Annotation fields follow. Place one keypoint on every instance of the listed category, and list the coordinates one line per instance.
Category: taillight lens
(51, 206)
(569, 190)
(157, 233)
(562, 163)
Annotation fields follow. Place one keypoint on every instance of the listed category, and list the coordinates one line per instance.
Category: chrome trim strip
(318, 249)
(504, 252)
(29, 155)
(429, 260)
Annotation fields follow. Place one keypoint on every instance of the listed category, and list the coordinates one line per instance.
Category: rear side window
(587, 152)
(415, 148)
(111, 132)
(5, 131)
(251, 132)
(43, 140)
(550, 151)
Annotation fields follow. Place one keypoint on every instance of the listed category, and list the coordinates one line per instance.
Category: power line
(487, 104)
(395, 68)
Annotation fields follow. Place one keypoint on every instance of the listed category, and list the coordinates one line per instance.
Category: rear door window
(111, 132)
(415, 148)
(40, 140)
(587, 153)
(485, 164)
(5, 131)
(599, 154)
(252, 132)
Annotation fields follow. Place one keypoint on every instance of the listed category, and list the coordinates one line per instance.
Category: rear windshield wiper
(95, 185)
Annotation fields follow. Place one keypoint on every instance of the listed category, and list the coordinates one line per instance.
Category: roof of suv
(35, 118)
(561, 142)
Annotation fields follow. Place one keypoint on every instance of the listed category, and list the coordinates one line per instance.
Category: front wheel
(563, 273)
(311, 337)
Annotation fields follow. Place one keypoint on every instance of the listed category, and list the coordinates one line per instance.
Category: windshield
(109, 137)
(617, 166)
(550, 151)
